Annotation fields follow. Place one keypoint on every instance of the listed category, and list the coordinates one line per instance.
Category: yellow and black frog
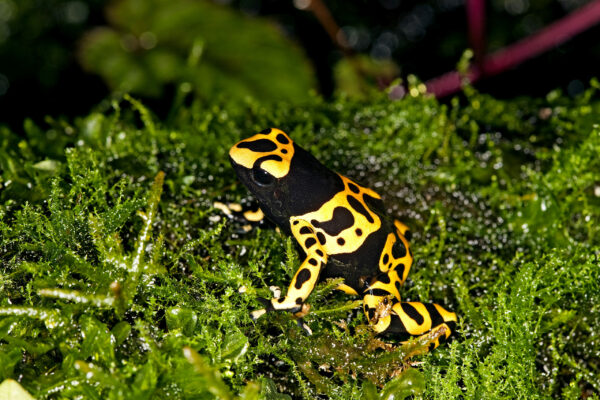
(344, 231)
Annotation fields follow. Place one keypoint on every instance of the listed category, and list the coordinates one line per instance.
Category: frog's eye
(262, 177)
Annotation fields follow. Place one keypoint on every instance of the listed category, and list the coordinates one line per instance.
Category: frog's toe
(256, 314)
(267, 303)
(304, 326)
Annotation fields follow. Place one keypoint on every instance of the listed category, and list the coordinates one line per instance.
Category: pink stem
(476, 22)
(513, 55)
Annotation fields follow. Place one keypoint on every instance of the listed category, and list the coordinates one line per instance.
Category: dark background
(40, 73)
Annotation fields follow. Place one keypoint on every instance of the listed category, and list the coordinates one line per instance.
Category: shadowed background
(62, 57)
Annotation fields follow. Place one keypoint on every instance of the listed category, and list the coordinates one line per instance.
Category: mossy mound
(120, 280)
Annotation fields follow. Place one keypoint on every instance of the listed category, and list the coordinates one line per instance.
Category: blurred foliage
(136, 45)
(121, 281)
(197, 46)
(359, 76)
(39, 73)
(31, 31)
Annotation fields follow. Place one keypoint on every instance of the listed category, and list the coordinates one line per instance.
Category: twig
(513, 55)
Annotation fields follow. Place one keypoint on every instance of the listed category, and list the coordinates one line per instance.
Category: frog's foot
(256, 314)
(425, 320)
(298, 311)
(279, 305)
(389, 315)
(304, 326)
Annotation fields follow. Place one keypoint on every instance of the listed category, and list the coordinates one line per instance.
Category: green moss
(120, 279)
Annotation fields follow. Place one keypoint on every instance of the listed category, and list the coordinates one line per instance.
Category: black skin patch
(302, 277)
(359, 208)
(319, 252)
(436, 318)
(321, 238)
(379, 292)
(353, 266)
(341, 241)
(386, 259)
(412, 313)
(284, 151)
(398, 249)
(398, 329)
(310, 242)
(260, 160)
(308, 176)
(353, 188)
(358, 232)
(265, 131)
(299, 300)
(312, 262)
(305, 230)
(371, 312)
(397, 284)
(341, 219)
(374, 204)
(408, 235)
(400, 270)
(384, 278)
(452, 326)
(258, 146)
(282, 139)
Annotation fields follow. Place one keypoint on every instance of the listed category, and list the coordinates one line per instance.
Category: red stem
(476, 22)
(513, 55)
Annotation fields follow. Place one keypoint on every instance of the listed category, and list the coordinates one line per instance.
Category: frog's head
(286, 179)
(262, 162)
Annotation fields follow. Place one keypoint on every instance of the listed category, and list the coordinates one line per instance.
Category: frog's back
(372, 247)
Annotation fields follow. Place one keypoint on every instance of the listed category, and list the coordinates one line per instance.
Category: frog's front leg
(307, 275)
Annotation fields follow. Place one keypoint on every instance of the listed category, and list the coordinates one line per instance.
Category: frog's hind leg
(419, 319)
(389, 315)
(402, 228)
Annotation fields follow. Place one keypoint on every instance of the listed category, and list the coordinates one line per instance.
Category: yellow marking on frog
(446, 315)
(387, 261)
(351, 238)
(243, 153)
(402, 228)
(346, 289)
(411, 325)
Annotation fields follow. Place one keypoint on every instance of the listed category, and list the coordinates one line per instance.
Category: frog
(344, 231)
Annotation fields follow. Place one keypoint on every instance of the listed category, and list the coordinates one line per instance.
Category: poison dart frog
(344, 231)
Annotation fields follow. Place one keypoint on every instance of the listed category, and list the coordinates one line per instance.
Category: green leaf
(98, 342)
(9, 357)
(120, 332)
(234, 346)
(268, 390)
(410, 383)
(181, 319)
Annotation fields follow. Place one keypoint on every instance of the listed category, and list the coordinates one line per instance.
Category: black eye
(262, 177)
